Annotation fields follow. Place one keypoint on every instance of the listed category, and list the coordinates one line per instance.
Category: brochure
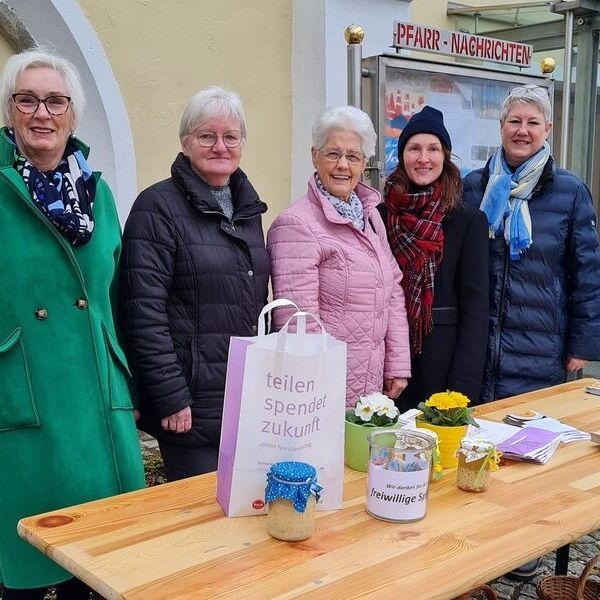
(531, 444)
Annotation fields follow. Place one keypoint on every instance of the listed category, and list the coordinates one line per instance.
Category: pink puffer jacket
(349, 278)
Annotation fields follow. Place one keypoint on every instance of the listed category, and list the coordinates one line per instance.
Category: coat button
(81, 303)
(254, 328)
(41, 314)
(250, 272)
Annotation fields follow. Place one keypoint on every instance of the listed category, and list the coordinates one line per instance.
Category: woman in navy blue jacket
(543, 255)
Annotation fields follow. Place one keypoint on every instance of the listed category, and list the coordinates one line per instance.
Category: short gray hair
(35, 59)
(533, 94)
(346, 118)
(209, 103)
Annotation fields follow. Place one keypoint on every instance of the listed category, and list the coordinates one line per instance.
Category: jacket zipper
(496, 352)
(216, 212)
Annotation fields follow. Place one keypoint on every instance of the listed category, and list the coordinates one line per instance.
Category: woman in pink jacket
(330, 255)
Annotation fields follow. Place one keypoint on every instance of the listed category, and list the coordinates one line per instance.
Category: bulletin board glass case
(470, 97)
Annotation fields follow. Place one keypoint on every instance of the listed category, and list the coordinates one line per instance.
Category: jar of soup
(476, 459)
(291, 495)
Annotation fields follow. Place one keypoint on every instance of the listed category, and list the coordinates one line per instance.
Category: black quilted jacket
(190, 279)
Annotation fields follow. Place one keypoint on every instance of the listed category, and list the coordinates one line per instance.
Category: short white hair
(209, 103)
(533, 94)
(345, 118)
(35, 59)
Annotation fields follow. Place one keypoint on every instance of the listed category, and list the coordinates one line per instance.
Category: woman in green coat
(67, 432)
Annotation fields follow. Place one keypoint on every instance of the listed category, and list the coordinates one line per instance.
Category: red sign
(457, 43)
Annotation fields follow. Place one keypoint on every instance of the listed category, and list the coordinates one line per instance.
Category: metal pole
(566, 100)
(354, 36)
(354, 74)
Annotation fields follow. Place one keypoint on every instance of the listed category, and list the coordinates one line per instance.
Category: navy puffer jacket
(190, 279)
(544, 307)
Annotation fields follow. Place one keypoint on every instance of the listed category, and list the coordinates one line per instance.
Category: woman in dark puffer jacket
(194, 273)
(544, 260)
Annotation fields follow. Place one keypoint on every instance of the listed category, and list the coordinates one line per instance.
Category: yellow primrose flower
(447, 400)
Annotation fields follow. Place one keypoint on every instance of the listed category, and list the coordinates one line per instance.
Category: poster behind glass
(471, 107)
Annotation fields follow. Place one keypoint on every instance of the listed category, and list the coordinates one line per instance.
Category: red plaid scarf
(414, 224)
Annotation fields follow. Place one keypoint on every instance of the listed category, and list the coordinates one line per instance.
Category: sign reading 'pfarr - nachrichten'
(458, 43)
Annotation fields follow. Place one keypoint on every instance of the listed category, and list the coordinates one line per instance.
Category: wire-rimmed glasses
(207, 138)
(333, 156)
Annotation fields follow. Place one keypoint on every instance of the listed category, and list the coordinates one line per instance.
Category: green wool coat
(67, 433)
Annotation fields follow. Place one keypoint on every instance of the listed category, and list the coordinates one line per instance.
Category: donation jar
(476, 459)
(398, 474)
(291, 494)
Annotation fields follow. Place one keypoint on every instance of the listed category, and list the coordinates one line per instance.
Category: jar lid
(475, 445)
(293, 472)
(293, 481)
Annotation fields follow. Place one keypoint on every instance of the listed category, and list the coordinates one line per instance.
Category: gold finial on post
(354, 34)
(547, 65)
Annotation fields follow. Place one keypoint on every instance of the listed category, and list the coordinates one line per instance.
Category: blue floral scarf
(351, 210)
(65, 195)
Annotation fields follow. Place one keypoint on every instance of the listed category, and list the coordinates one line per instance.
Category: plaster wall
(5, 50)
(319, 64)
(162, 52)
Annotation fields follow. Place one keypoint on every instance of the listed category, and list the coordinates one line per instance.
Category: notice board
(470, 97)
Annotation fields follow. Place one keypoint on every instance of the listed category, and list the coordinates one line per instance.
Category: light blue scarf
(505, 201)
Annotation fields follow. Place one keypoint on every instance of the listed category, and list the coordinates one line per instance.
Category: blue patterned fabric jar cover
(293, 481)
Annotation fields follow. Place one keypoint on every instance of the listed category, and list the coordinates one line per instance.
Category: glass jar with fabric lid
(291, 495)
(476, 458)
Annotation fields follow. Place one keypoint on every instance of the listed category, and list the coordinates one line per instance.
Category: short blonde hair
(35, 59)
(533, 94)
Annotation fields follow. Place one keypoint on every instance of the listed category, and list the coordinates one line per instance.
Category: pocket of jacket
(118, 373)
(17, 405)
(193, 364)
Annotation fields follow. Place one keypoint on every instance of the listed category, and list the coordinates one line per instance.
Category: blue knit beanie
(428, 120)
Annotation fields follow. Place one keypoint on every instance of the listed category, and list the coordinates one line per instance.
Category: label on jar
(397, 496)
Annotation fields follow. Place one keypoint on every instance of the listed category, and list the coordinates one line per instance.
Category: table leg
(562, 560)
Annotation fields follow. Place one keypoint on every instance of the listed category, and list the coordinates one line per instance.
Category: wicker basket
(568, 587)
(489, 593)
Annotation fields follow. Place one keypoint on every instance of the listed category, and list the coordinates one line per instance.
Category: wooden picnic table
(173, 541)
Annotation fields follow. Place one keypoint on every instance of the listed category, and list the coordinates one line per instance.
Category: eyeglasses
(333, 156)
(28, 104)
(207, 139)
(531, 89)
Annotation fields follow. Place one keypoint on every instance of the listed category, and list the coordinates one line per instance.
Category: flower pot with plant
(372, 412)
(447, 414)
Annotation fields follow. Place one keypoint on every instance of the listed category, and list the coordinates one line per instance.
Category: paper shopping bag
(285, 397)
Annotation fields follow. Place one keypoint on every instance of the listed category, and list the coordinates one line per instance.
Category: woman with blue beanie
(440, 245)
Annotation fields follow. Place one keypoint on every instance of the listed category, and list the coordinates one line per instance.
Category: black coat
(190, 279)
(544, 307)
(453, 354)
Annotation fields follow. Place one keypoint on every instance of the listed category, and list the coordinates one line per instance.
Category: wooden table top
(173, 542)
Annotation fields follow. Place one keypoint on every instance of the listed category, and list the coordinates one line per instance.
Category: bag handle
(584, 577)
(267, 310)
(300, 317)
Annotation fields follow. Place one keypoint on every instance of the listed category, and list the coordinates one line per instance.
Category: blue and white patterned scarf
(351, 210)
(65, 196)
(505, 201)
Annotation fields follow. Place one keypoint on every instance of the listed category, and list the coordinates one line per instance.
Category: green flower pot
(356, 445)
